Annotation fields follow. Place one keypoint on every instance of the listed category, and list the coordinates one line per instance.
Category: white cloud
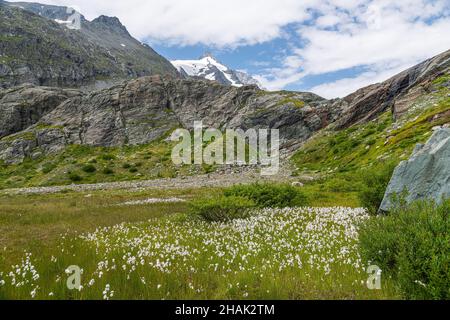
(384, 37)
(346, 86)
(187, 22)
(378, 35)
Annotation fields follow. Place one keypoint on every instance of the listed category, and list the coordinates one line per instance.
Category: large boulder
(426, 175)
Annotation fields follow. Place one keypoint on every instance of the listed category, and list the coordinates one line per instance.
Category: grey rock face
(143, 110)
(25, 105)
(426, 175)
(15, 151)
(396, 93)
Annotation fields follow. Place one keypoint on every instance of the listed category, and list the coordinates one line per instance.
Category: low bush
(89, 168)
(108, 157)
(266, 195)
(342, 183)
(74, 177)
(412, 244)
(48, 167)
(374, 183)
(222, 209)
(108, 171)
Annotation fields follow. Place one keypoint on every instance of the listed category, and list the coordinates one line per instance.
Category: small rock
(297, 184)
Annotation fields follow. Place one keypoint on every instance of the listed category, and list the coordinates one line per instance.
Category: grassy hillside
(332, 153)
(85, 164)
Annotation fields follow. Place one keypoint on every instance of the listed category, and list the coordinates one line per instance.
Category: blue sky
(330, 47)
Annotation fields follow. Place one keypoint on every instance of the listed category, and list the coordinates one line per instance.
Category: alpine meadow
(304, 156)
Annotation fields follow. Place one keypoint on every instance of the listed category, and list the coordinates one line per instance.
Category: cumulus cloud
(346, 86)
(215, 23)
(377, 36)
(383, 37)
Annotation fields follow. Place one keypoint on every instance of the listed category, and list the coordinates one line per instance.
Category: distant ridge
(37, 47)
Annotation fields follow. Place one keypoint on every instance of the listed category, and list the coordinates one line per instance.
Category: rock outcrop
(23, 106)
(397, 93)
(143, 110)
(426, 175)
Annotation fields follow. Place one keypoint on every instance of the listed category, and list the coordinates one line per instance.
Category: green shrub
(412, 244)
(126, 166)
(133, 170)
(108, 171)
(222, 208)
(48, 167)
(342, 183)
(269, 195)
(108, 157)
(374, 183)
(74, 177)
(208, 168)
(89, 168)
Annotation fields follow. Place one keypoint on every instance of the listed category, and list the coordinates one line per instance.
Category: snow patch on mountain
(210, 68)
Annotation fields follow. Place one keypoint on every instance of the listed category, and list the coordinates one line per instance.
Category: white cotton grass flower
(270, 241)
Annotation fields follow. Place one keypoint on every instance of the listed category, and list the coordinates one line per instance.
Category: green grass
(36, 221)
(82, 164)
(412, 245)
(332, 153)
(49, 227)
(291, 101)
(93, 165)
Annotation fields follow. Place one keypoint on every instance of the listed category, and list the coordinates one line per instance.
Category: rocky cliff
(23, 106)
(397, 93)
(42, 120)
(143, 110)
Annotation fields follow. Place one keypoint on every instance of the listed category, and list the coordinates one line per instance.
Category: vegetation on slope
(85, 164)
(341, 157)
(412, 245)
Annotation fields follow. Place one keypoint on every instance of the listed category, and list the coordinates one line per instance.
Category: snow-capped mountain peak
(210, 68)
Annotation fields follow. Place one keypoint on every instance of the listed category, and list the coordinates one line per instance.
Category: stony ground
(217, 179)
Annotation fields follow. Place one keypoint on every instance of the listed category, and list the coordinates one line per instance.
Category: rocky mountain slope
(397, 93)
(209, 68)
(146, 109)
(37, 47)
(134, 116)
(23, 106)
